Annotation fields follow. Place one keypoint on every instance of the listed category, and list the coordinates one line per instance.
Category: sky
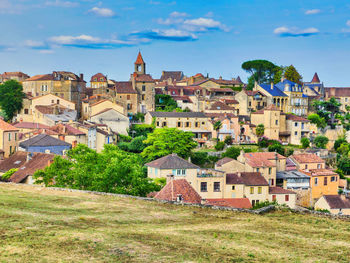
(208, 36)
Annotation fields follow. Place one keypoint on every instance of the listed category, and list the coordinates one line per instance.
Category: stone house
(98, 103)
(44, 143)
(335, 204)
(8, 138)
(282, 196)
(274, 96)
(116, 121)
(250, 101)
(342, 94)
(19, 76)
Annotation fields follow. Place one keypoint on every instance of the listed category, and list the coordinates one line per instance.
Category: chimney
(81, 76)
(29, 157)
(271, 85)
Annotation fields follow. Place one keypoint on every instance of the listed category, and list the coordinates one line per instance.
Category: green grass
(41, 225)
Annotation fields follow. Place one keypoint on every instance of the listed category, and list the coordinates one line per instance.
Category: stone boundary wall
(259, 211)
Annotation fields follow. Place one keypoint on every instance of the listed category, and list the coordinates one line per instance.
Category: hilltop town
(186, 139)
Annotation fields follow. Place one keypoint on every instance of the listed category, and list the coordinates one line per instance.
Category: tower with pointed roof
(315, 79)
(140, 65)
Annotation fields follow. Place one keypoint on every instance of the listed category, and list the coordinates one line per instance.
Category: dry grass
(39, 225)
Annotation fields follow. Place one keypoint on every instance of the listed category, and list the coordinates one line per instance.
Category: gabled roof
(218, 105)
(315, 78)
(139, 59)
(242, 203)
(173, 75)
(14, 161)
(177, 114)
(37, 162)
(40, 77)
(296, 118)
(171, 161)
(307, 158)
(276, 92)
(43, 140)
(262, 159)
(66, 129)
(181, 187)
(224, 161)
(337, 91)
(246, 178)
(336, 202)
(124, 87)
(279, 190)
(99, 76)
(30, 125)
(143, 77)
(6, 126)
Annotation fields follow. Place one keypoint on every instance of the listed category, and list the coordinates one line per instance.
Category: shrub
(199, 158)
(263, 204)
(289, 152)
(276, 148)
(124, 146)
(228, 140)
(219, 146)
(339, 142)
(160, 181)
(6, 176)
(305, 142)
(232, 152)
(137, 145)
(263, 142)
(321, 141)
(124, 138)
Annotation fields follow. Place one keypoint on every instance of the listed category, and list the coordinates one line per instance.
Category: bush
(339, 142)
(228, 140)
(276, 148)
(199, 158)
(321, 141)
(137, 145)
(160, 181)
(124, 138)
(6, 176)
(289, 152)
(263, 142)
(263, 204)
(344, 165)
(305, 142)
(219, 146)
(232, 152)
(124, 146)
(140, 130)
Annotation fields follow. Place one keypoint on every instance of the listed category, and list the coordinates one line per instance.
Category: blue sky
(194, 36)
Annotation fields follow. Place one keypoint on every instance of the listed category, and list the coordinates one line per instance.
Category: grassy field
(40, 225)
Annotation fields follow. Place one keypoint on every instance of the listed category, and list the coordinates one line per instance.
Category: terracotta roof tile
(246, 178)
(40, 77)
(336, 202)
(296, 118)
(124, 87)
(242, 203)
(171, 161)
(181, 187)
(315, 78)
(262, 159)
(6, 126)
(173, 75)
(139, 59)
(30, 125)
(279, 190)
(98, 76)
(14, 161)
(223, 161)
(307, 158)
(218, 105)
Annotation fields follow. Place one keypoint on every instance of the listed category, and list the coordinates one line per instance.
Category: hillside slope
(41, 225)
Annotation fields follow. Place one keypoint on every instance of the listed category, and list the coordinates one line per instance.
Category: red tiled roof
(38, 162)
(246, 178)
(220, 115)
(262, 159)
(30, 125)
(183, 98)
(242, 203)
(50, 109)
(174, 188)
(218, 105)
(124, 87)
(307, 158)
(6, 126)
(14, 161)
(336, 202)
(139, 59)
(40, 77)
(230, 101)
(296, 118)
(98, 76)
(279, 190)
(320, 172)
(223, 161)
(15, 74)
(65, 129)
(337, 92)
(315, 79)
(143, 78)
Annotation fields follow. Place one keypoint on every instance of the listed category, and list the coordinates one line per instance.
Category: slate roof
(179, 187)
(124, 87)
(291, 175)
(279, 190)
(172, 161)
(174, 75)
(315, 78)
(224, 161)
(218, 105)
(336, 202)
(38, 162)
(276, 92)
(178, 114)
(242, 203)
(43, 140)
(6, 126)
(16, 160)
(307, 158)
(296, 118)
(246, 178)
(262, 159)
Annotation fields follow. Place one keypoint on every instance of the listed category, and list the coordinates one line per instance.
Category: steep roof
(224, 161)
(30, 125)
(40, 77)
(38, 162)
(276, 92)
(65, 129)
(181, 187)
(336, 202)
(124, 87)
(307, 158)
(99, 76)
(174, 75)
(218, 105)
(315, 78)
(178, 114)
(280, 190)
(43, 140)
(262, 159)
(14, 161)
(293, 117)
(242, 203)
(171, 161)
(6, 126)
(139, 59)
(246, 178)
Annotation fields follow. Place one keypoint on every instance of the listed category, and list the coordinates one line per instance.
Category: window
(276, 122)
(257, 170)
(325, 181)
(187, 124)
(251, 190)
(295, 124)
(259, 190)
(183, 172)
(157, 123)
(143, 97)
(143, 88)
(333, 179)
(203, 186)
(233, 187)
(250, 104)
(26, 111)
(129, 106)
(179, 124)
(164, 124)
(270, 170)
(253, 202)
(318, 166)
(271, 182)
(203, 123)
(273, 197)
(196, 124)
(9, 136)
(15, 136)
(305, 166)
(128, 97)
(286, 198)
(10, 149)
(216, 186)
(296, 133)
(316, 181)
(58, 101)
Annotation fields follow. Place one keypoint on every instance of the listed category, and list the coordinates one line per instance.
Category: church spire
(140, 65)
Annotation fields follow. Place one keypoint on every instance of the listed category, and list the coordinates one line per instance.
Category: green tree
(217, 126)
(112, 171)
(260, 130)
(165, 141)
(293, 75)
(344, 165)
(321, 141)
(261, 70)
(328, 110)
(343, 149)
(228, 140)
(305, 142)
(276, 147)
(316, 119)
(6, 176)
(279, 72)
(11, 98)
(166, 103)
(232, 152)
(339, 142)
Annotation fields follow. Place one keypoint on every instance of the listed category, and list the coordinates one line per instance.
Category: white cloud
(348, 23)
(105, 12)
(203, 24)
(60, 3)
(67, 40)
(178, 14)
(295, 32)
(33, 43)
(347, 29)
(46, 51)
(6, 7)
(312, 12)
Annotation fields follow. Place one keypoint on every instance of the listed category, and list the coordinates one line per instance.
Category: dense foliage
(328, 110)
(11, 98)
(166, 103)
(292, 74)
(260, 70)
(165, 141)
(112, 171)
(321, 141)
(260, 130)
(316, 119)
(305, 142)
(6, 176)
(232, 152)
